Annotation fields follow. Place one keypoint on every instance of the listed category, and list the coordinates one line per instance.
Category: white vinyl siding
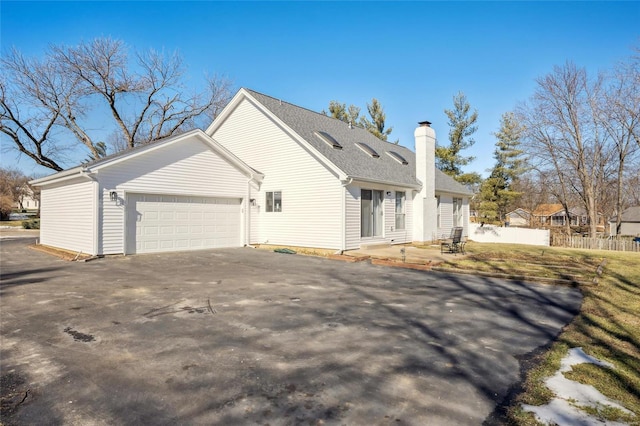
(312, 204)
(254, 219)
(447, 214)
(68, 215)
(352, 220)
(188, 168)
(390, 233)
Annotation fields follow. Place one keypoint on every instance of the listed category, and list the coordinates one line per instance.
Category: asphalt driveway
(244, 336)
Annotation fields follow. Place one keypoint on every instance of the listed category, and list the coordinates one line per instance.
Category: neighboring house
(265, 172)
(519, 217)
(550, 215)
(630, 224)
(583, 218)
(27, 200)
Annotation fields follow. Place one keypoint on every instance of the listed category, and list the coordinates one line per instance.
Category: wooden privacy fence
(577, 241)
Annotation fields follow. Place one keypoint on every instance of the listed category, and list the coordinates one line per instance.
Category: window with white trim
(400, 209)
(438, 211)
(274, 201)
(457, 212)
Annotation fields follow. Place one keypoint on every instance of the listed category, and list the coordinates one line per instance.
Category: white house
(27, 200)
(265, 172)
(630, 223)
(519, 217)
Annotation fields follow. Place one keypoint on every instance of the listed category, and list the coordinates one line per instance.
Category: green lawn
(607, 327)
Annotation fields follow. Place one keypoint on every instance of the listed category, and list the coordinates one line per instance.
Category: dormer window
(328, 139)
(399, 158)
(366, 148)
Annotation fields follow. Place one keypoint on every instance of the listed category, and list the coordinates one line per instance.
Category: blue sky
(412, 56)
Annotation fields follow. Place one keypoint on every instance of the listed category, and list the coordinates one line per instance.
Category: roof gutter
(385, 182)
(65, 176)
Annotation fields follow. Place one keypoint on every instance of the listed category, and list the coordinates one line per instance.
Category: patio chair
(454, 243)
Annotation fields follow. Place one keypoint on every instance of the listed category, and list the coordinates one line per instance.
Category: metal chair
(454, 243)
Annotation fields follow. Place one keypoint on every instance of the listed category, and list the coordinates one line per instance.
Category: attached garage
(159, 223)
(181, 193)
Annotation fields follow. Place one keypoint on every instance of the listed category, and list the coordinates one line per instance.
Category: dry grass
(60, 253)
(607, 327)
(16, 223)
(305, 251)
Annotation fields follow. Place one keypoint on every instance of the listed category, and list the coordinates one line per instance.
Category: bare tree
(565, 133)
(13, 188)
(621, 118)
(533, 192)
(33, 99)
(44, 101)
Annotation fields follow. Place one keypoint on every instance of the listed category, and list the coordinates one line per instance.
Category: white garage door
(159, 223)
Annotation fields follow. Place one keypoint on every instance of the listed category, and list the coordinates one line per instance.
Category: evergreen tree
(341, 112)
(462, 126)
(497, 192)
(375, 125)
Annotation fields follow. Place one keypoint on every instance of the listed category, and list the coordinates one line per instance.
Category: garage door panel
(167, 244)
(170, 223)
(167, 230)
(150, 230)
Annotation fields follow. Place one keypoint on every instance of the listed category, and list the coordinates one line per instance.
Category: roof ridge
(294, 105)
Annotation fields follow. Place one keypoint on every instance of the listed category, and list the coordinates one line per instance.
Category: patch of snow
(578, 356)
(562, 410)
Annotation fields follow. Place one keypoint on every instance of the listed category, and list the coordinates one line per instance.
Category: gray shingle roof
(352, 160)
(632, 214)
(445, 183)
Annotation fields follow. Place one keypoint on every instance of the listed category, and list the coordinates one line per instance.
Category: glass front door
(371, 217)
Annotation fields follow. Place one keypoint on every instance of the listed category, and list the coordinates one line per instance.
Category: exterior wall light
(113, 196)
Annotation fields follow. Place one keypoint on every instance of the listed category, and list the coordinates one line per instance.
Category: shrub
(31, 224)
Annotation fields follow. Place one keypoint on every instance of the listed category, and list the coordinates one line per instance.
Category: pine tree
(376, 125)
(341, 112)
(462, 126)
(497, 192)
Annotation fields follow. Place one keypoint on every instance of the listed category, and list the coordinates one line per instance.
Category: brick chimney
(424, 206)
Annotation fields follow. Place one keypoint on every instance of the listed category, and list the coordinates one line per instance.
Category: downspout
(343, 243)
(248, 205)
(247, 212)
